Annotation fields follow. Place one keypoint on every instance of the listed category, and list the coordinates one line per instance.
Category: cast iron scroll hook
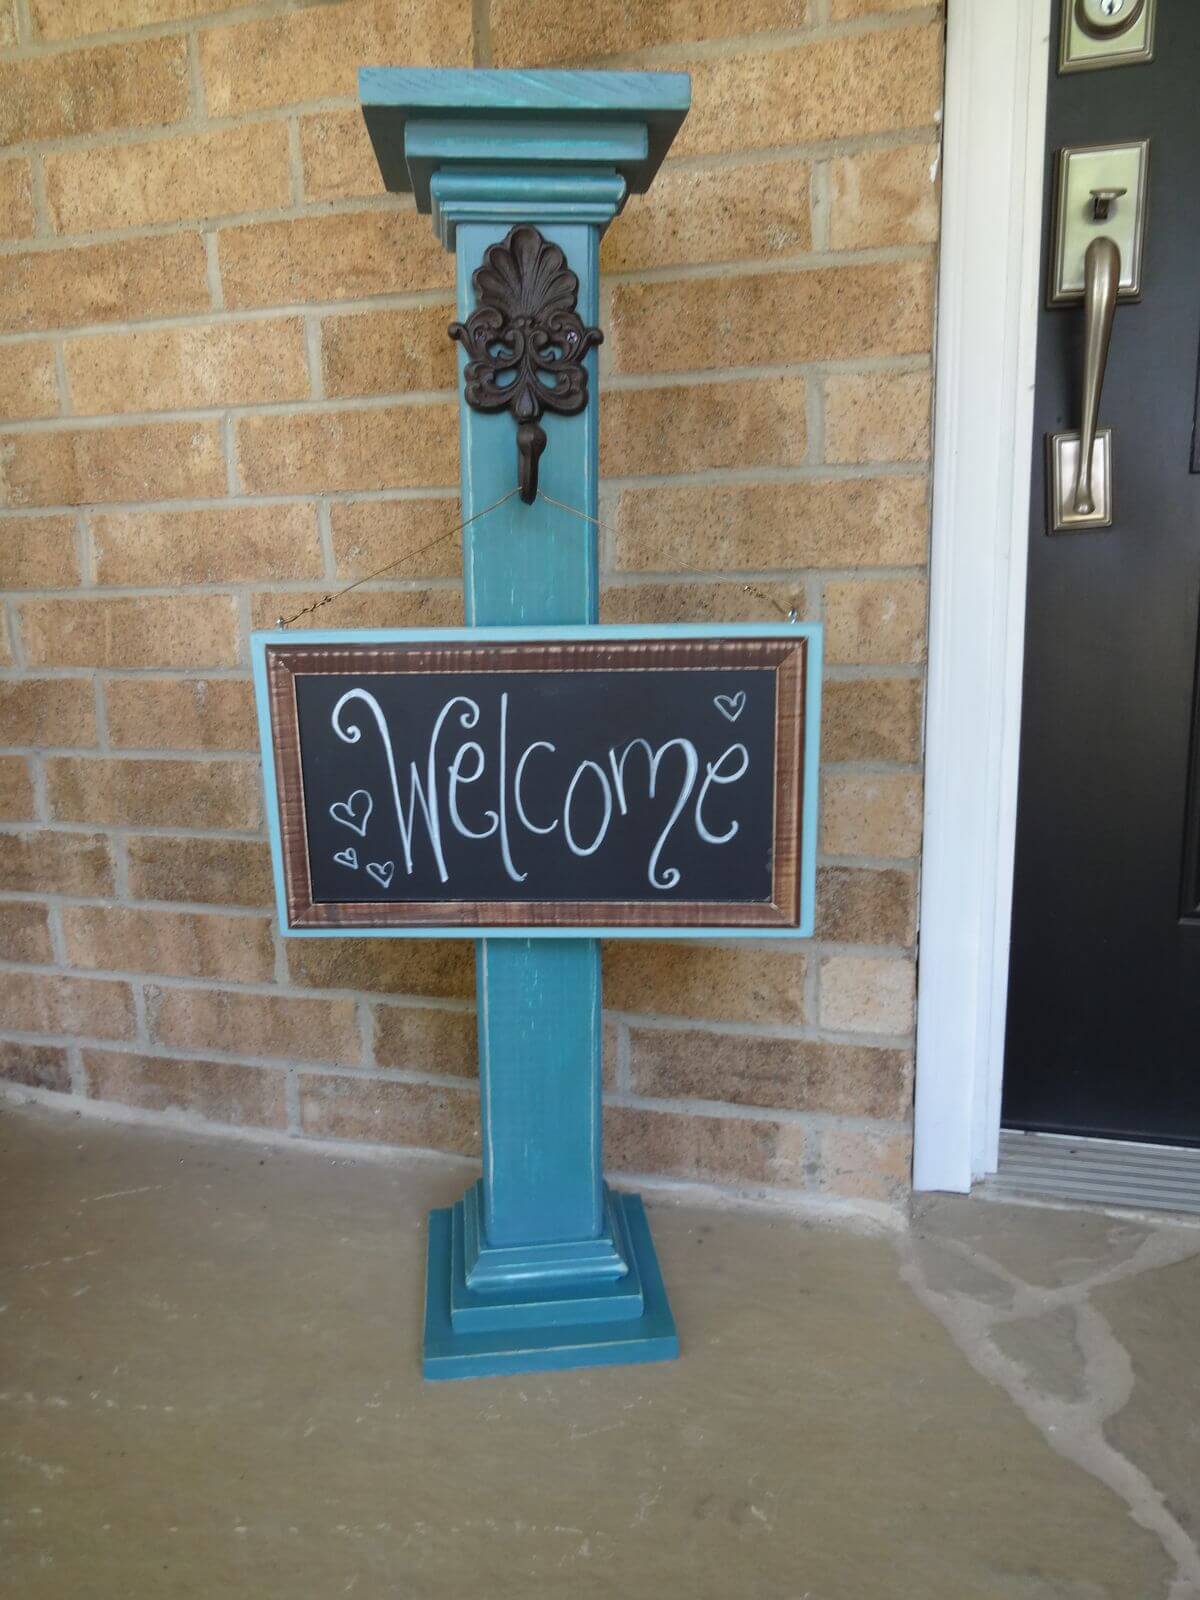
(531, 441)
(525, 341)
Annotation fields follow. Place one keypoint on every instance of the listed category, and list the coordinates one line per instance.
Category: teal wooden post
(539, 1265)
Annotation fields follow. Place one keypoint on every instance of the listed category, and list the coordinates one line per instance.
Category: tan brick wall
(225, 388)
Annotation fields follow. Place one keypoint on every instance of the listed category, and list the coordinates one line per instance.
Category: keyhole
(1108, 19)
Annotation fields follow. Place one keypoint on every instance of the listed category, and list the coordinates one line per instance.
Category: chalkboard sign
(569, 780)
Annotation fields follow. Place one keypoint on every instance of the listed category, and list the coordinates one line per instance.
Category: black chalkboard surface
(455, 781)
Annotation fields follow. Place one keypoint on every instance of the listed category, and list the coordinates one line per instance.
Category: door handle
(1095, 257)
(1080, 475)
(1101, 278)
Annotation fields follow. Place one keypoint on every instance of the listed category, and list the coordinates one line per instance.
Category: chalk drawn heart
(347, 857)
(730, 706)
(382, 871)
(346, 812)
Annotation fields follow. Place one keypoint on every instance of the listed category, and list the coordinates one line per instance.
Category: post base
(491, 1269)
(595, 1325)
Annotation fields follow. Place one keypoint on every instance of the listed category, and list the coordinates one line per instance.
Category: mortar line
(83, 550)
(364, 1021)
(141, 1023)
(56, 897)
(820, 204)
(623, 1074)
(195, 78)
(58, 938)
(807, 150)
(867, 861)
(321, 404)
(61, 382)
(314, 357)
(25, 34)
(230, 451)
(409, 299)
(236, 502)
(16, 640)
(683, 54)
(37, 779)
(295, 162)
(734, 1112)
(76, 1072)
(780, 1032)
(814, 418)
(791, 263)
(279, 945)
(43, 226)
(385, 1000)
(54, 674)
(217, 221)
(1072, 1429)
(137, 753)
(192, 127)
(481, 33)
(104, 422)
(118, 852)
(291, 1102)
(118, 830)
(100, 704)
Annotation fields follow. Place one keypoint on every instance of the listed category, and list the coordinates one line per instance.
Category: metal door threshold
(1106, 1172)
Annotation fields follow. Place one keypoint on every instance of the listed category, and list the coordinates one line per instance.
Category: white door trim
(997, 61)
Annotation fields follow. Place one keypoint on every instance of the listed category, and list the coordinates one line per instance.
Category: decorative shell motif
(525, 341)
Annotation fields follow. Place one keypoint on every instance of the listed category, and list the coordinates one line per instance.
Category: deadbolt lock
(1105, 33)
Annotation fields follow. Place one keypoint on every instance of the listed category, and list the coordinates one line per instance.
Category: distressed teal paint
(572, 194)
(554, 1344)
(538, 1002)
(539, 1084)
(569, 110)
(482, 151)
(708, 630)
(531, 564)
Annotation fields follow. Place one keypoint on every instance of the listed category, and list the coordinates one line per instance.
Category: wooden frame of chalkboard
(298, 672)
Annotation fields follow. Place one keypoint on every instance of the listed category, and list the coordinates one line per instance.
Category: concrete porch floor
(209, 1385)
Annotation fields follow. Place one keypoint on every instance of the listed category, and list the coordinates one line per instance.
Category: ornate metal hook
(525, 341)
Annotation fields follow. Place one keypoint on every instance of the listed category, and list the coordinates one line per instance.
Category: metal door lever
(1080, 479)
(1101, 277)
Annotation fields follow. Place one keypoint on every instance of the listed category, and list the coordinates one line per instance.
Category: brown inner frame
(789, 657)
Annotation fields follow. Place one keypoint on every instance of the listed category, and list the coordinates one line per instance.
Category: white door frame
(996, 66)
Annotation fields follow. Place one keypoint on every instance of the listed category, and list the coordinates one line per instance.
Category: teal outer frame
(811, 631)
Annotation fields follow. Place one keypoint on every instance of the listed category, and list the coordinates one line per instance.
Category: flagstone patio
(210, 1385)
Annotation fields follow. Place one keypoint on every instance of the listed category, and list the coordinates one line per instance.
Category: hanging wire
(412, 555)
(409, 555)
(747, 588)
